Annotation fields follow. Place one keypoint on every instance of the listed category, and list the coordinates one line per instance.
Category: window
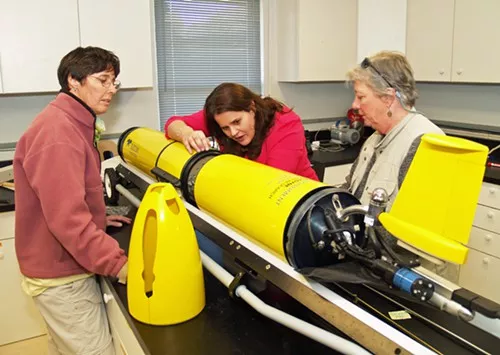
(202, 43)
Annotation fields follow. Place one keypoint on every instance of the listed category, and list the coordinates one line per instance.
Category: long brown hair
(235, 97)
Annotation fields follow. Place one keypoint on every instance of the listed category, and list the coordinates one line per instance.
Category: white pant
(76, 319)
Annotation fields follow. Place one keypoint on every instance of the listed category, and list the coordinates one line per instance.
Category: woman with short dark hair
(61, 219)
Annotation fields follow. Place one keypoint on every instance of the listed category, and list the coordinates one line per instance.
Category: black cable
(395, 257)
(377, 247)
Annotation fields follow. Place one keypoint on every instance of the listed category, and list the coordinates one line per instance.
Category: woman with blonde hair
(385, 95)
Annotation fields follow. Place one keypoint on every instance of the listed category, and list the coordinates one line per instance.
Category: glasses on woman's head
(366, 63)
(107, 82)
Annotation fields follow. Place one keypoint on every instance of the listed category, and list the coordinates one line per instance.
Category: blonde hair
(393, 70)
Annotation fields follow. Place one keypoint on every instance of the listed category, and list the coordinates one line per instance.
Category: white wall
(473, 104)
(128, 108)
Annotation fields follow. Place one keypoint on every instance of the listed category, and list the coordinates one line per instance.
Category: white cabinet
(125, 341)
(476, 46)
(34, 36)
(335, 175)
(480, 273)
(19, 317)
(454, 40)
(316, 39)
(121, 26)
(429, 38)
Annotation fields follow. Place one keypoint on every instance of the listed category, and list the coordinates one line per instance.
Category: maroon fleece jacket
(60, 211)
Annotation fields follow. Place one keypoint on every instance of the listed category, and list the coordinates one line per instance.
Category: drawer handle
(486, 261)
(490, 214)
(487, 238)
(492, 190)
(107, 297)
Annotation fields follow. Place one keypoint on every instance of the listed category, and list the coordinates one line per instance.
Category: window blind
(200, 44)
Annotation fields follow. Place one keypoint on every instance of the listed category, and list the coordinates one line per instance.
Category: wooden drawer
(485, 241)
(124, 339)
(480, 275)
(335, 175)
(490, 195)
(487, 218)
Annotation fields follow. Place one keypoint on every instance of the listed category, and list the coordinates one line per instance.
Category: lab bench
(225, 326)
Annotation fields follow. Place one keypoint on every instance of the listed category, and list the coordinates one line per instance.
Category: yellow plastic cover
(435, 207)
(165, 277)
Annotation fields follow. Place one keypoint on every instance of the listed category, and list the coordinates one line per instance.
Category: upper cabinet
(121, 26)
(33, 39)
(316, 39)
(476, 44)
(454, 40)
(429, 38)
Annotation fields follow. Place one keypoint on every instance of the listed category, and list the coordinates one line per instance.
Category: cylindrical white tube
(127, 194)
(311, 331)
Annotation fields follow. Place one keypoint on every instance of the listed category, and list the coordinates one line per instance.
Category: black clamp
(163, 176)
(237, 281)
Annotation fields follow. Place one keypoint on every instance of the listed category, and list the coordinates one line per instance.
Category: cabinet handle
(460, 71)
(487, 238)
(1, 251)
(107, 297)
(441, 71)
(486, 261)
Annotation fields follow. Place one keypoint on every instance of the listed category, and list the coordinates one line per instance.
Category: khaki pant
(76, 319)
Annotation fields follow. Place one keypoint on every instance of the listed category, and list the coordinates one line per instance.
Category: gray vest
(390, 152)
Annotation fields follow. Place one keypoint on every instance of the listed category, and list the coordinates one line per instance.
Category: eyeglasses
(366, 63)
(106, 83)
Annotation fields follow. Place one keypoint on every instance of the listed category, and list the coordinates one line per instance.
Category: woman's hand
(195, 140)
(117, 221)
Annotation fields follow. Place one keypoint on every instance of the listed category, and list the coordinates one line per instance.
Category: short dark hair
(235, 97)
(84, 61)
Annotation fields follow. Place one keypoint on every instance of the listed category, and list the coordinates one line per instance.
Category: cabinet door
(476, 45)
(316, 39)
(124, 339)
(19, 317)
(480, 274)
(327, 39)
(34, 36)
(124, 27)
(429, 38)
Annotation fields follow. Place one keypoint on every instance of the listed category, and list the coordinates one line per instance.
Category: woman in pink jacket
(244, 124)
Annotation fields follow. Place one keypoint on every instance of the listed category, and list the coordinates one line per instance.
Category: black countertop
(492, 175)
(323, 159)
(225, 326)
(6, 199)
